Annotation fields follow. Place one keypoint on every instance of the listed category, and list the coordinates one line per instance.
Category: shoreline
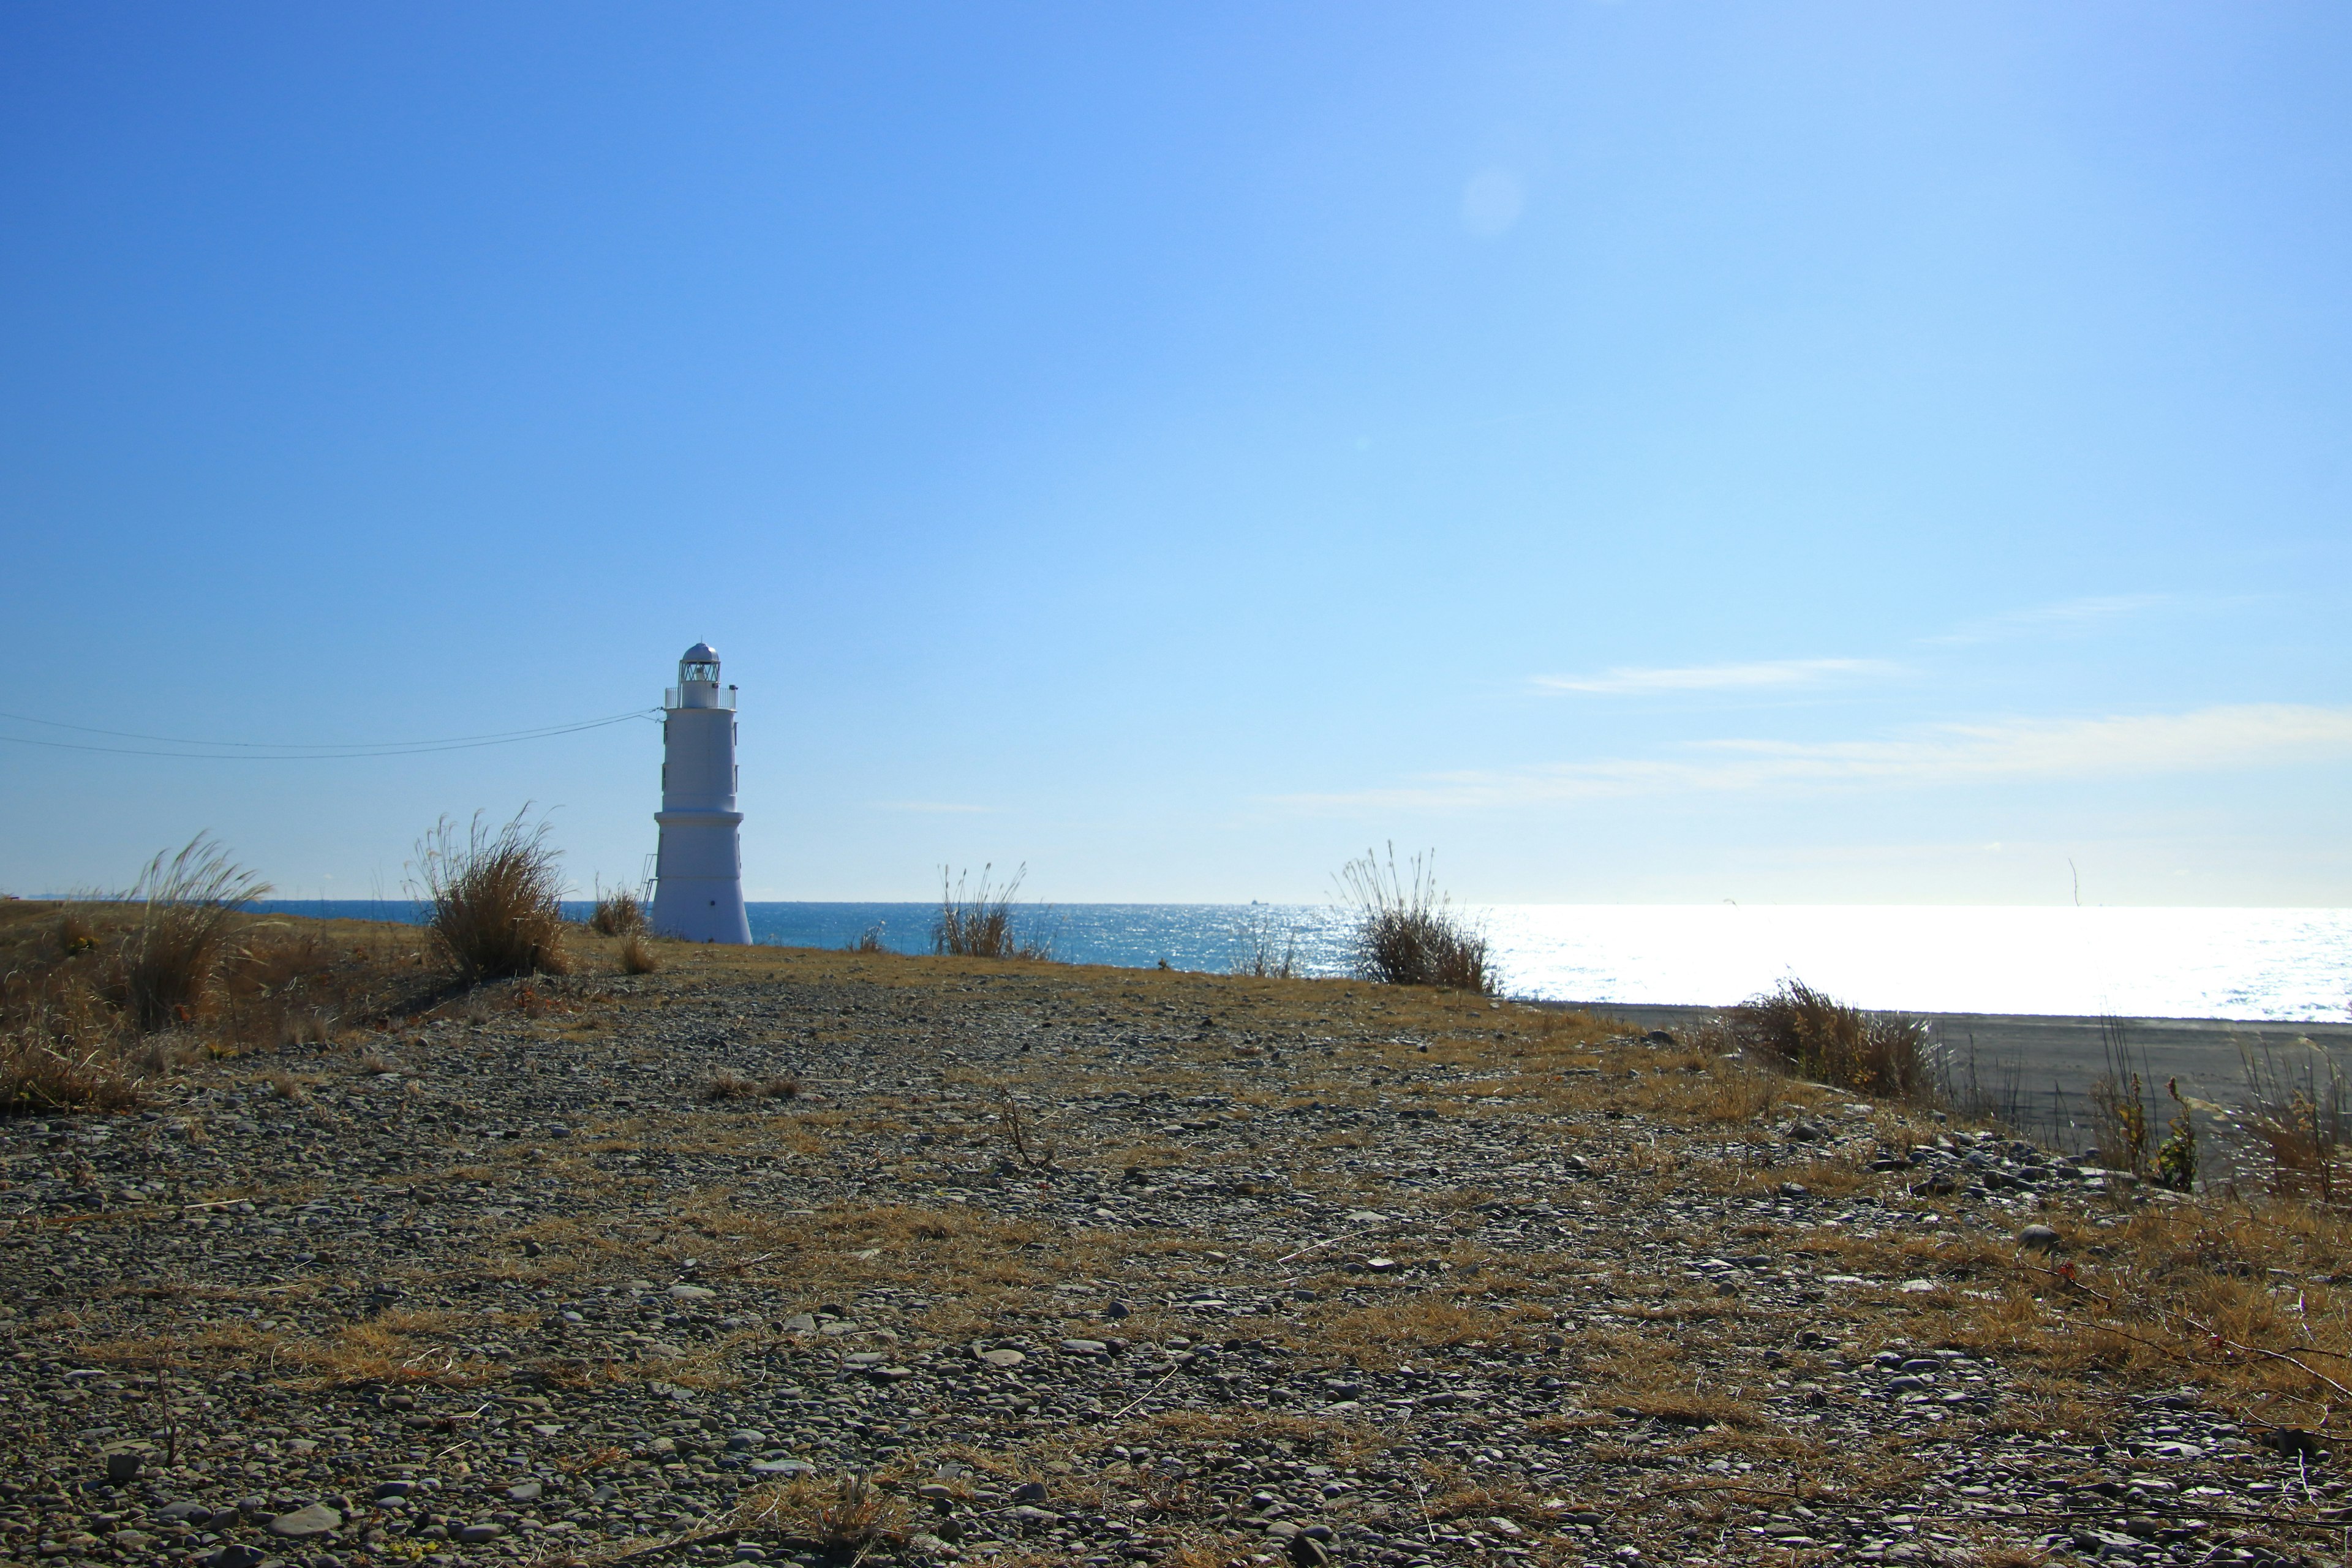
(2040, 1067)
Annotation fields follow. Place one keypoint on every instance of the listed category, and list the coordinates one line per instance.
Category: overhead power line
(299, 751)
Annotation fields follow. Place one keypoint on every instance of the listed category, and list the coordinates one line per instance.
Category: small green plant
(1406, 932)
(2176, 1158)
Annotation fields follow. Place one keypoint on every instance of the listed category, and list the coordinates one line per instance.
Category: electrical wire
(294, 751)
(330, 745)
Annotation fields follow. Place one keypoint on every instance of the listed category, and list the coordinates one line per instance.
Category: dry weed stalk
(1268, 946)
(2119, 1118)
(637, 957)
(1026, 1148)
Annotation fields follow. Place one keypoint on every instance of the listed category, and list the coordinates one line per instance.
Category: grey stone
(525, 1491)
(475, 1534)
(304, 1522)
(2039, 1238)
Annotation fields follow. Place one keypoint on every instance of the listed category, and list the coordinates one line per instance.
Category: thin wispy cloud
(2247, 735)
(1756, 676)
(2064, 617)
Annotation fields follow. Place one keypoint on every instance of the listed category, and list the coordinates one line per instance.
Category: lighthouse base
(698, 878)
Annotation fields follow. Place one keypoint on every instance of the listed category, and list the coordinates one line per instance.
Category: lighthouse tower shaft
(699, 872)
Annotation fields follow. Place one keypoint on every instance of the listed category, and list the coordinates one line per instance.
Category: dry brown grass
(1803, 1032)
(495, 898)
(1388, 1332)
(617, 913)
(2299, 1113)
(729, 1084)
(977, 922)
(191, 906)
(844, 1513)
(637, 957)
(41, 1071)
(1407, 934)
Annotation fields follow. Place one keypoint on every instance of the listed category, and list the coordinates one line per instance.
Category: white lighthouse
(698, 885)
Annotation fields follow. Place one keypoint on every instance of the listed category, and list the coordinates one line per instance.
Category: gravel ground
(1073, 1265)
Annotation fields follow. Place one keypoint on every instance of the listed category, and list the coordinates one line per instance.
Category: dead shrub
(729, 1084)
(868, 941)
(40, 1075)
(637, 957)
(977, 922)
(495, 896)
(1407, 934)
(189, 907)
(1802, 1031)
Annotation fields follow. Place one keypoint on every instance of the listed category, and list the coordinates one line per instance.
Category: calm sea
(2288, 965)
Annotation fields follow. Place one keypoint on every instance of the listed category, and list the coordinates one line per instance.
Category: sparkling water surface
(2291, 965)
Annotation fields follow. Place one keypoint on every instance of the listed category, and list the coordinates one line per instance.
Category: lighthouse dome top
(700, 653)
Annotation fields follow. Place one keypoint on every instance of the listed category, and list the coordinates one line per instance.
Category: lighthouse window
(709, 672)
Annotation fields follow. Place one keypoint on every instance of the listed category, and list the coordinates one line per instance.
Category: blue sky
(1813, 453)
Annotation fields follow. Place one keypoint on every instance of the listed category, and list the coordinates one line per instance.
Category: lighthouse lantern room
(699, 871)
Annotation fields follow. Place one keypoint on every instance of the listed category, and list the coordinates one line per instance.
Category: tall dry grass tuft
(495, 898)
(1802, 1031)
(2118, 1103)
(2302, 1119)
(637, 955)
(976, 921)
(1407, 934)
(53, 1060)
(617, 913)
(190, 906)
(76, 935)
